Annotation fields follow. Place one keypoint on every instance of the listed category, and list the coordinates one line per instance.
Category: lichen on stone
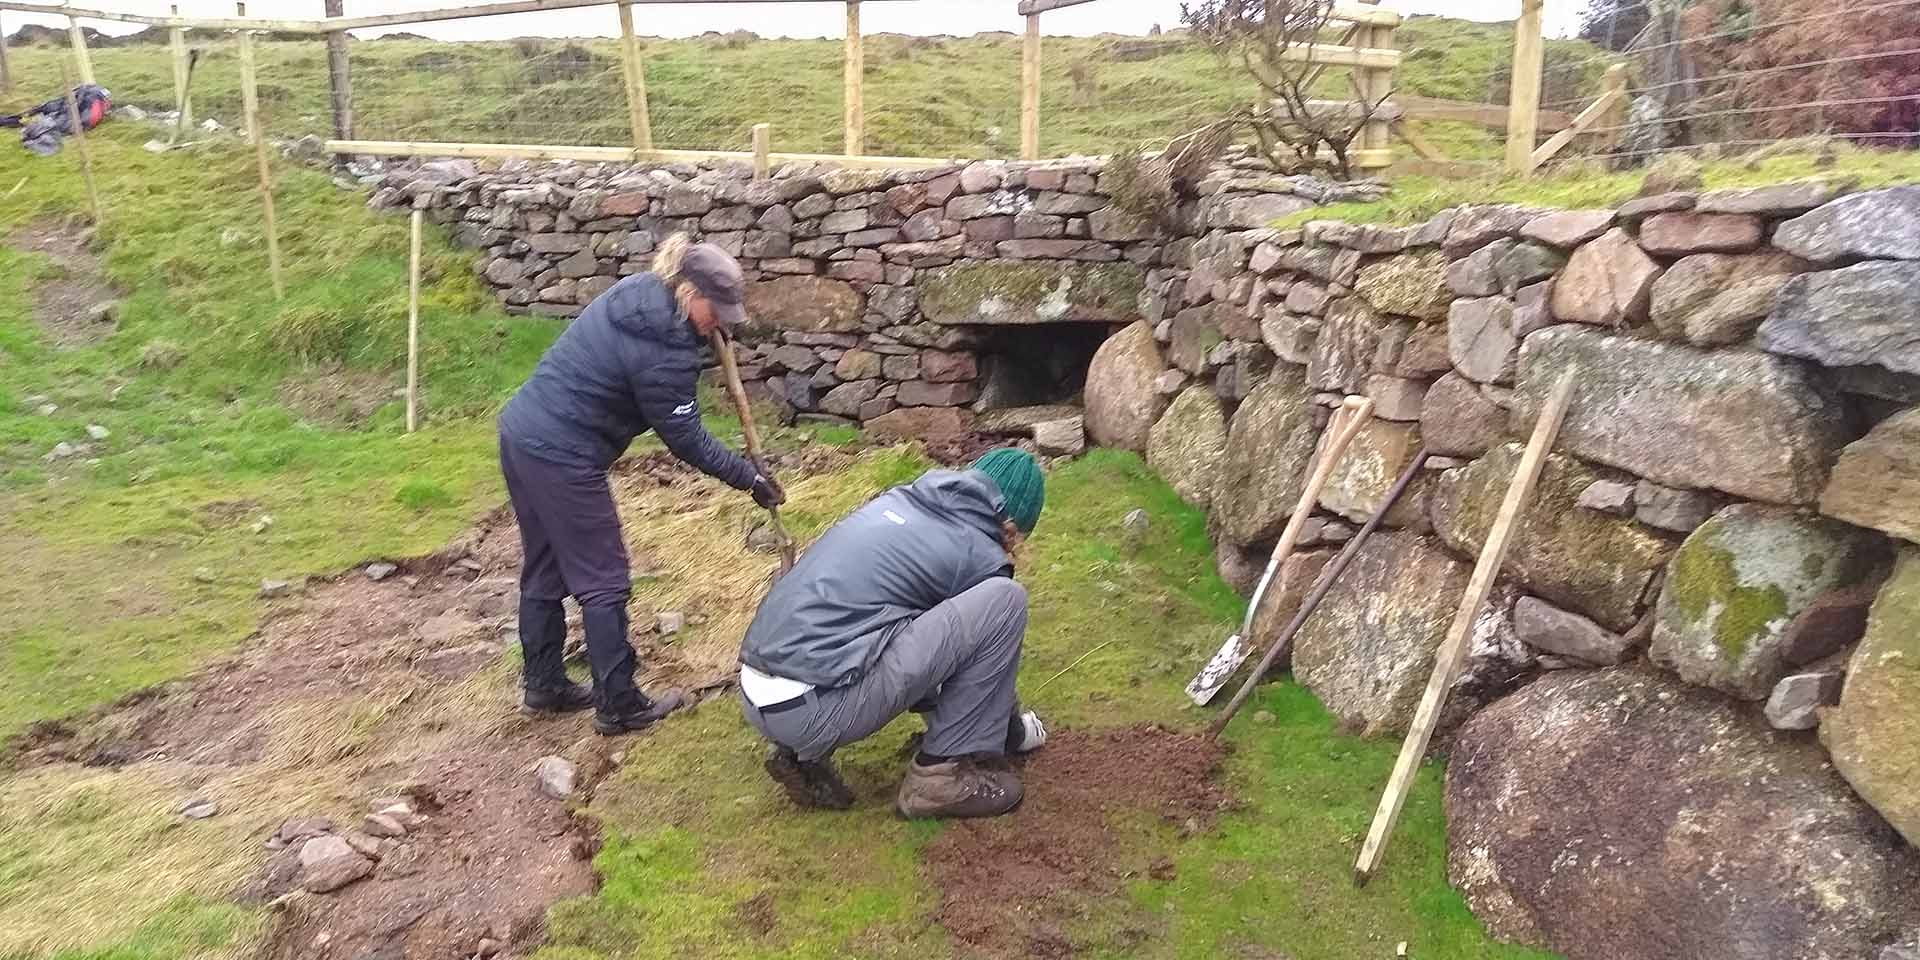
(1009, 292)
(1704, 582)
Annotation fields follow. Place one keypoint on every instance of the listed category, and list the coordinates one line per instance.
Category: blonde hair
(666, 265)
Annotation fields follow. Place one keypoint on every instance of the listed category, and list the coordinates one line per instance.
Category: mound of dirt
(1009, 885)
(75, 306)
(338, 397)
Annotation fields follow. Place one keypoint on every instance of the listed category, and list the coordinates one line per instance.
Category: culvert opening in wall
(1041, 364)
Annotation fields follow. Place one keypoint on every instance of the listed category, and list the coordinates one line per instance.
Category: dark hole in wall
(1044, 363)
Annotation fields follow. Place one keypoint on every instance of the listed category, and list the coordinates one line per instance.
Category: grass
(925, 96)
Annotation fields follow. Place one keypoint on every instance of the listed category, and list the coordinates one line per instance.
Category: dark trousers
(570, 545)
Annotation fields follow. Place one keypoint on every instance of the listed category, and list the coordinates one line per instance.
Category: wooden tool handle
(1347, 421)
(723, 350)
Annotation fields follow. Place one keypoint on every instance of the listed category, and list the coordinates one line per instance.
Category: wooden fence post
(250, 101)
(177, 45)
(856, 120)
(1523, 100)
(6, 75)
(635, 71)
(1030, 91)
(80, 142)
(413, 324)
(339, 77)
(762, 148)
(80, 55)
(1615, 82)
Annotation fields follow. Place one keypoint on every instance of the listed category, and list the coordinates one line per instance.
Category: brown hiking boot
(962, 787)
(814, 784)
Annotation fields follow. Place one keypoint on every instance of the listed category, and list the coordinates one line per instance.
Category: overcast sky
(956, 17)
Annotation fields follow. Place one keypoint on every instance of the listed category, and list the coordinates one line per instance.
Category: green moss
(1031, 292)
(1703, 581)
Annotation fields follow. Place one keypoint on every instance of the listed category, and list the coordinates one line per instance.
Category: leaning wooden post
(177, 46)
(1615, 83)
(635, 71)
(1523, 99)
(1453, 651)
(762, 150)
(1030, 91)
(339, 75)
(413, 325)
(80, 141)
(856, 121)
(80, 54)
(250, 101)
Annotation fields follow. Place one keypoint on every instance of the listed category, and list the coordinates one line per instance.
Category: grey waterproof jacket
(828, 619)
(629, 364)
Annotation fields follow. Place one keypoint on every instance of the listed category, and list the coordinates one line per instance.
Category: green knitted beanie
(1021, 483)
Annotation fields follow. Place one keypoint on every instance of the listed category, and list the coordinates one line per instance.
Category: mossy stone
(1874, 734)
(1015, 292)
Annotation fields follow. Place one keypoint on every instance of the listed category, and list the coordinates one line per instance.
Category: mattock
(723, 349)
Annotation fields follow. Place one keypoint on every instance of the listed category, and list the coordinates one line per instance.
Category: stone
(1289, 587)
(273, 589)
(1738, 581)
(1308, 297)
(556, 777)
(941, 366)
(1680, 511)
(1007, 292)
(1876, 483)
(1782, 199)
(295, 829)
(846, 181)
(1186, 446)
(921, 423)
(858, 365)
(97, 432)
(1407, 285)
(805, 304)
(1532, 309)
(1641, 207)
(1876, 225)
(1457, 420)
(1362, 477)
(1270, 445)
(815, 205)
(1039, 226)
(919, 393)
(504, 272)
(1686, 232)
(989, 228)
(1020, 421)
(1607, 814)
(1136, 522)
(796, 359)
(902, 368)
(857, 270)
(1591, 563)
(1192, 337)
(1065, 204)
(1608, 496)
(1796, 700)
(1170, 382)
(685, 201)
(1345, 347)
(557, 243)
(1475, 226)
(1414, 351)
(1289, 335)
(1568, 229)
(1833, 622)
(1480, 339)
(1526, 263)
(1714, 299)
(1367, 652)
(1396, 398)
(379, 571)
(1122, 404)
(1060, 438)
(1474, 276)
(383, 825)
(1863, 314)
(200, 809)
(1874, 734)
(1116, 225)
(1549, 629)
(1754, 426)
(1607, 282)
(328, 863)
(1243, 213)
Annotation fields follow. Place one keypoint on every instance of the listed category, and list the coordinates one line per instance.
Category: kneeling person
(908, 604)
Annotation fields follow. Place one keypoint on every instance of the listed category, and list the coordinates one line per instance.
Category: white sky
(955, 17)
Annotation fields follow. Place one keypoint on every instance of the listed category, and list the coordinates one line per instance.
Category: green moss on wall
(1702, 578)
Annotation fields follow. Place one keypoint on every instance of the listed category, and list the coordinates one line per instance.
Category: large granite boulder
(1017, 292)
(1365, 474)
(1876, 225)
(1185, 447)
(1739, 580)
(1863, 314)
(1614, 814)
(1715, 299)
(1874, 735)
(1593, 563)
(1738, 421)
(805, 305)
(1876, 483)
(1269, 450)
(1607, 282)
(1122, 404)
(1407, 285)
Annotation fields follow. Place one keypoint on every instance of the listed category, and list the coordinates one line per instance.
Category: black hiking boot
(548, 699)
(815, 785)
(640, 714)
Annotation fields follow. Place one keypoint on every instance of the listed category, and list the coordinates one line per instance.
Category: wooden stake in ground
(413, 325)
(177, 48)
(856, 68)
(723, 351)
(1454, 650)
(80, 141)
(762, 150)
(6, 75)
(250, 100)
(634, 71)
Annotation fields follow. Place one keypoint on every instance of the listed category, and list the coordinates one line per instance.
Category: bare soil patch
(1010, 886)
(337, 397)
(65, 305)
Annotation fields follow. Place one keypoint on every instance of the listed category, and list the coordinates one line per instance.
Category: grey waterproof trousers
(960, 657)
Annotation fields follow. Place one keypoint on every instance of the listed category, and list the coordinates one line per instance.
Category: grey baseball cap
(716, 274)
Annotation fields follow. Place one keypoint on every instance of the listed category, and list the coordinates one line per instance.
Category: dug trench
(364, 705)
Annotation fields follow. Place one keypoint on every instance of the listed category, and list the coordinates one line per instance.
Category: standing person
(908, 604)
(629, 364)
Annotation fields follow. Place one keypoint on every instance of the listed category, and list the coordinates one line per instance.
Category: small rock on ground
(1136, 521)
(670, 622)
(199, 809)
(329, 863)
(556, 777)
(1796, 700)
(98, 432)
(380, 571)
(383, 825)
(269, 589)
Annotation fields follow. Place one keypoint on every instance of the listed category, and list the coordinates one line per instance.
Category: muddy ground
(69, 305)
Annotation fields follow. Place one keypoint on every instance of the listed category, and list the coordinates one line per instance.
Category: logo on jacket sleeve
(686, 409)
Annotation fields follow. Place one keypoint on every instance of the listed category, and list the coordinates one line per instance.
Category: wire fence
(1723, 75)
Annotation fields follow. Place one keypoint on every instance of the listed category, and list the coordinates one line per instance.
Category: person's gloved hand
(767, 492)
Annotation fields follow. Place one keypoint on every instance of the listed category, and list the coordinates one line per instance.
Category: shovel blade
(1203, 687)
